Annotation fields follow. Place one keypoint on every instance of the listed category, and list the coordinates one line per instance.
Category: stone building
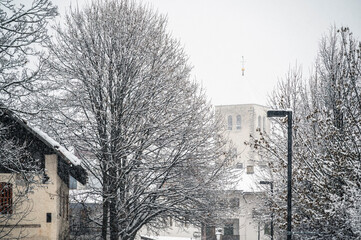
(34, 189)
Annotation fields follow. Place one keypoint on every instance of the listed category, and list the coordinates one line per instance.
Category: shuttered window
(6, 198)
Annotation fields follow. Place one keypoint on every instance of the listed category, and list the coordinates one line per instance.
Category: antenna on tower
(242, 66)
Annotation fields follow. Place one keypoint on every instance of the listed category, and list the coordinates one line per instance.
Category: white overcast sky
(272, 35)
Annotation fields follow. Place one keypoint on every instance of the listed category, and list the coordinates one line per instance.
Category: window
(210, 232)
(234, 152)
(250, 169)
(234, 202)
(72, 183)
(264, 124)
(6, 198)
(48, 217)
(259, 122)
(186, 221)
(230, 123)
(63, 205)
(267, 229)
(238, 122)
(255, 213)
(228, 229)
(239, 165)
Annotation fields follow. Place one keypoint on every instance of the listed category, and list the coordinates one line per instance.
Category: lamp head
(277, 113)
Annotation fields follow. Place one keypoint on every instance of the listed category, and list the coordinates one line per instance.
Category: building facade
(242, 122)
(35, 204)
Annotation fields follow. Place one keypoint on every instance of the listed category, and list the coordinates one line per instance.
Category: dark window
(186, 221)
(267, 229)
(6, 198)
(234, 202)
(48, 217)
(230, 123)
(238, 122)
(210, 232)
(255, 213)
(228, 229)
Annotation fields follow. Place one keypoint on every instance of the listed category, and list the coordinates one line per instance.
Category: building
(175, 231)
(241, 122)
(34, 190)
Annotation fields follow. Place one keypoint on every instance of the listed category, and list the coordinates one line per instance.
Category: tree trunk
(105, 209)
(114, 226)
(113, 213)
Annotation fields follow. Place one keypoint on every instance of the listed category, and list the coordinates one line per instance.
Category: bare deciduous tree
(21, 28)
(122, 85)
(326, 148)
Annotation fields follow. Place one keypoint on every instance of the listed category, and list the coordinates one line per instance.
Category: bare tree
(121, 84)
(326, 144)
(21, 28)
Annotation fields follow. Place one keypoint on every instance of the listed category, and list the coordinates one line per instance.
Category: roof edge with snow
(61, 151)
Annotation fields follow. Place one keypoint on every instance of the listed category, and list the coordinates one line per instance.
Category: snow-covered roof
(62, 151)
(75, 170)
(45, 138)
(242, 181)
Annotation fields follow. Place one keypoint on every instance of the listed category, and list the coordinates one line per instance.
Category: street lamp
(219, 232)
(288, 113)
(271, 185)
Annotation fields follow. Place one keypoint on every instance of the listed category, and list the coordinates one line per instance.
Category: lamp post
(271, 185)
(288, 113)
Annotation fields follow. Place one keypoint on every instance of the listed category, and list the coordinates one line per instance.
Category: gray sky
(272, 35)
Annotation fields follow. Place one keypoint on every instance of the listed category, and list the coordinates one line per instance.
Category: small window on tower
(238, 122)
(264, 124)
(230, 123)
